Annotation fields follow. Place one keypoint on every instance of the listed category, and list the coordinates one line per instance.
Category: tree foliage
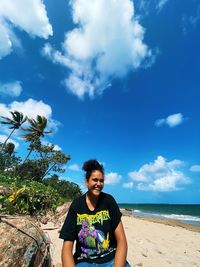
(54, 158)
(9, 148)
(14, 123)
(47, 161)
(8, 159)
(67, 190)
(35, 131)
(25, 188)
(32, 169)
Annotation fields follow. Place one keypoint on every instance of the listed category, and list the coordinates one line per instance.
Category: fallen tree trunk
(23, 244)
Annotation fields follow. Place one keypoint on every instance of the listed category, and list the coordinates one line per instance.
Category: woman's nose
(98, 182)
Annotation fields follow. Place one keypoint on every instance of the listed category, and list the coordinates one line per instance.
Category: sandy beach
(151, 243)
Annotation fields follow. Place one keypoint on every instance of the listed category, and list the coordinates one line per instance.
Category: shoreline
(170, 222)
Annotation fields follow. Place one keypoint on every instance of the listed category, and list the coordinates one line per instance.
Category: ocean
(186, 213)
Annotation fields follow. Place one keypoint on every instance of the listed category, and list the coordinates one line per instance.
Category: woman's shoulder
(78, 201)
(107, 197)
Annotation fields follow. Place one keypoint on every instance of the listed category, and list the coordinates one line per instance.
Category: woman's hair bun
(92, 165)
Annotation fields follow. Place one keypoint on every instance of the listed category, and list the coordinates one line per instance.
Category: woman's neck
(91, 201)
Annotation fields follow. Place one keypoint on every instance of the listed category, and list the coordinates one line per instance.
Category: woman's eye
(96, 180)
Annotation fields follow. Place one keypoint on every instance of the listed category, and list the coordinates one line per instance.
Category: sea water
(186, 213)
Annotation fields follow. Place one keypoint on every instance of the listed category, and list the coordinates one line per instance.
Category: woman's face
(95, 183)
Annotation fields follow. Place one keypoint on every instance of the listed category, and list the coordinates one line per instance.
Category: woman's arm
(121, 252)
(67, 256)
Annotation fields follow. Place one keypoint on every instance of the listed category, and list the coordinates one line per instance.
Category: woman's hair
(92, 165)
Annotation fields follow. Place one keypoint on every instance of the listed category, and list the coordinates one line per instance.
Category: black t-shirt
(92, 230)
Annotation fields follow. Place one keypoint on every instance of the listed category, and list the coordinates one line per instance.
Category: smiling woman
(94, 221)
(94, 181)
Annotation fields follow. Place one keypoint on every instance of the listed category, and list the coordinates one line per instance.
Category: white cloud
(34, 21)
(4, 110)
(106, 44)
(5, 43)
(128, 185)
(195, 168)
(137, 176)
(74, 167)
(160, 4)
(143, 7)
(160, 175)
(191, 21)
(30, 108)
(12, 89)
(3, 138)
(57, 147)
(112, 178)
(174, 120)
(171, 120)
(159, 122)
(194, 19)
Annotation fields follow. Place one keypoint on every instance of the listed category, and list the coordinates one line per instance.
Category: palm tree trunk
(28, 155)
(7, 140)
(48, 170)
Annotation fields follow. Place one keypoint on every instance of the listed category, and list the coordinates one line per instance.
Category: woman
(94, 222)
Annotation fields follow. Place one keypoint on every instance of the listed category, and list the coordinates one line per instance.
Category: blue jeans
(106, 264)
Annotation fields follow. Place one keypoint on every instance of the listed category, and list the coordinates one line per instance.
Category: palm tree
(55, 161)
(15, 122)
(35, 132)
(9, 148)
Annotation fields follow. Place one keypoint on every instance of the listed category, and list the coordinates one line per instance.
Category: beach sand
(151, 242)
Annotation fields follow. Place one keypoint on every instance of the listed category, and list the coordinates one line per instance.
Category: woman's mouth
(97, 188)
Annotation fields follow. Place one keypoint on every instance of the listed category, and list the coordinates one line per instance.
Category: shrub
(27, 197)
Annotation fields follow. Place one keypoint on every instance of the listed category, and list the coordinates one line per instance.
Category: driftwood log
(23, 244)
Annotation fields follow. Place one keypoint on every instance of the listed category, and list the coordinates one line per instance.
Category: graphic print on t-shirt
(94, 241)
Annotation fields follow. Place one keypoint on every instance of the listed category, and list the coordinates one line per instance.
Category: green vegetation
(27, 197)
(65, 188)
(32, 186)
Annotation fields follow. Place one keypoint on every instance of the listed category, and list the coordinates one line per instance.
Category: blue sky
(118, 81)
